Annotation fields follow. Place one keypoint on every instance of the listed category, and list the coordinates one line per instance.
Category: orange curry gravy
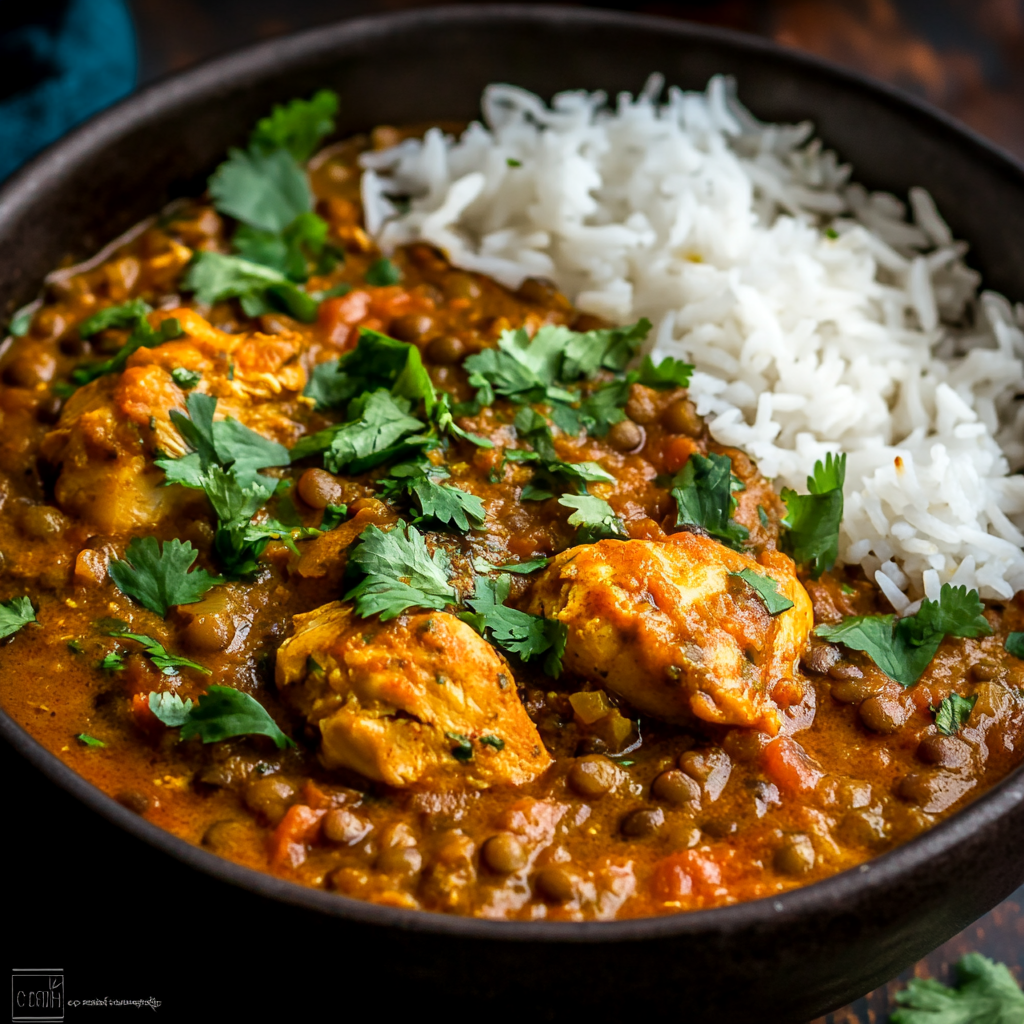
(634, 816)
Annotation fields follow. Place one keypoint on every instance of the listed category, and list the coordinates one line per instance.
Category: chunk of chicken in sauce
(111, 429)
(670, 626)
(421, 697)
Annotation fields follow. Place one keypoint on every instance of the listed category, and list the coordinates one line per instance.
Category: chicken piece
(420, 697)
(666, 625)
(111, 429)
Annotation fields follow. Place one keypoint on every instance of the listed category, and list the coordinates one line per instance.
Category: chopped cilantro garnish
(813, 519)
(14, 614)
(400, 573)
(383, 273)
(593, 518)
(519, 568)
(703, 492)
(215, 277)
(133, 314)
(767, 589)
(111, 662)
(442, 503)
(511, 161)
(463, 748)
(516, 631)
(221, 713)
(669, 373)
(75, 646)
(21, 322)
(264, 188)
(904, 648)
(952, 713)
(377, 422)
(333, 516)
(1015, 645)
(89, 741)
(292, 252)
(157, 576)
(186, 379)
(986, 993)
(165, 661)
(493, 741)
(553, 472)
(831, 233)
(299, 126)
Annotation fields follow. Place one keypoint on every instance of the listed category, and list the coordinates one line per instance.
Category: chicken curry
(371, 573)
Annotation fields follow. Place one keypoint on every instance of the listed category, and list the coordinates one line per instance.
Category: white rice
(820, 317)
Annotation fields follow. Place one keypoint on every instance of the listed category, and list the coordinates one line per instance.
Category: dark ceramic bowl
(83, 859)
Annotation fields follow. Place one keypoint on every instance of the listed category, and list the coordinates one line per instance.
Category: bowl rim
(159, 99)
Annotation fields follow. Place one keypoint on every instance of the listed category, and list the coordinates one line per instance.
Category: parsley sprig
(157, 575)
(221, 713)
(812, 520)
(904, 648)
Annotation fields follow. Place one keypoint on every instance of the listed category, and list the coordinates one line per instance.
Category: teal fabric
(93, 57)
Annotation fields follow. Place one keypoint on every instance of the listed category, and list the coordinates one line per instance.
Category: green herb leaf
(493, 741)
(400, 573)
(952, 713)
(703, 493)
(293, 252)
(521, 369)
(265, 189)
(89, 741)
(333, 516)
(383, 273)
(905, 649)
(445, 504)
(157, 576)
(21, 322)
(519, 568)
(142, 336)
(593, 518)
(521, 633)
(669, 373)
(986, 993)
(602, 349)
(127, 314)
(1015, 645)
(165, 661)
(813, 519)
(767, 589)
(112, 662)
(186, 379)
(299, 126)
(221, 713)
(14, 614)
(463, 749)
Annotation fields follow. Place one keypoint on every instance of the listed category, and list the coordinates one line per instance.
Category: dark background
(91, 913)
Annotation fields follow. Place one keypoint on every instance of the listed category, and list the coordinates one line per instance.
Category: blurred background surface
(63, 60)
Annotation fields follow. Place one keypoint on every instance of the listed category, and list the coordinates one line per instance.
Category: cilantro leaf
(905, 649)
(813, 519)
(533, 428)
(89, 741)
(703, 493)
(1015, 645)
(14, 614)
(293, 251)
(186, 379)
(113, 661)
(158, 577)
(463, 749)
(165, 661)
(669, 373)
(521, 369)
(400, 573)
(142, 336)
(493, 741)
(594, 518)
(446, 504)
(383, 273)
(127, 314)
(602, 349)
(520, 568)
(952, 713)
(986, 993)
(266, 189)
(21, 322)
(767, 589)
(333, 516)
(516, 631)
(222, 712)
(299, 126)
(215, 277)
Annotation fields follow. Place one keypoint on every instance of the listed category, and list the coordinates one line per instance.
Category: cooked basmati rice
(820, 317)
